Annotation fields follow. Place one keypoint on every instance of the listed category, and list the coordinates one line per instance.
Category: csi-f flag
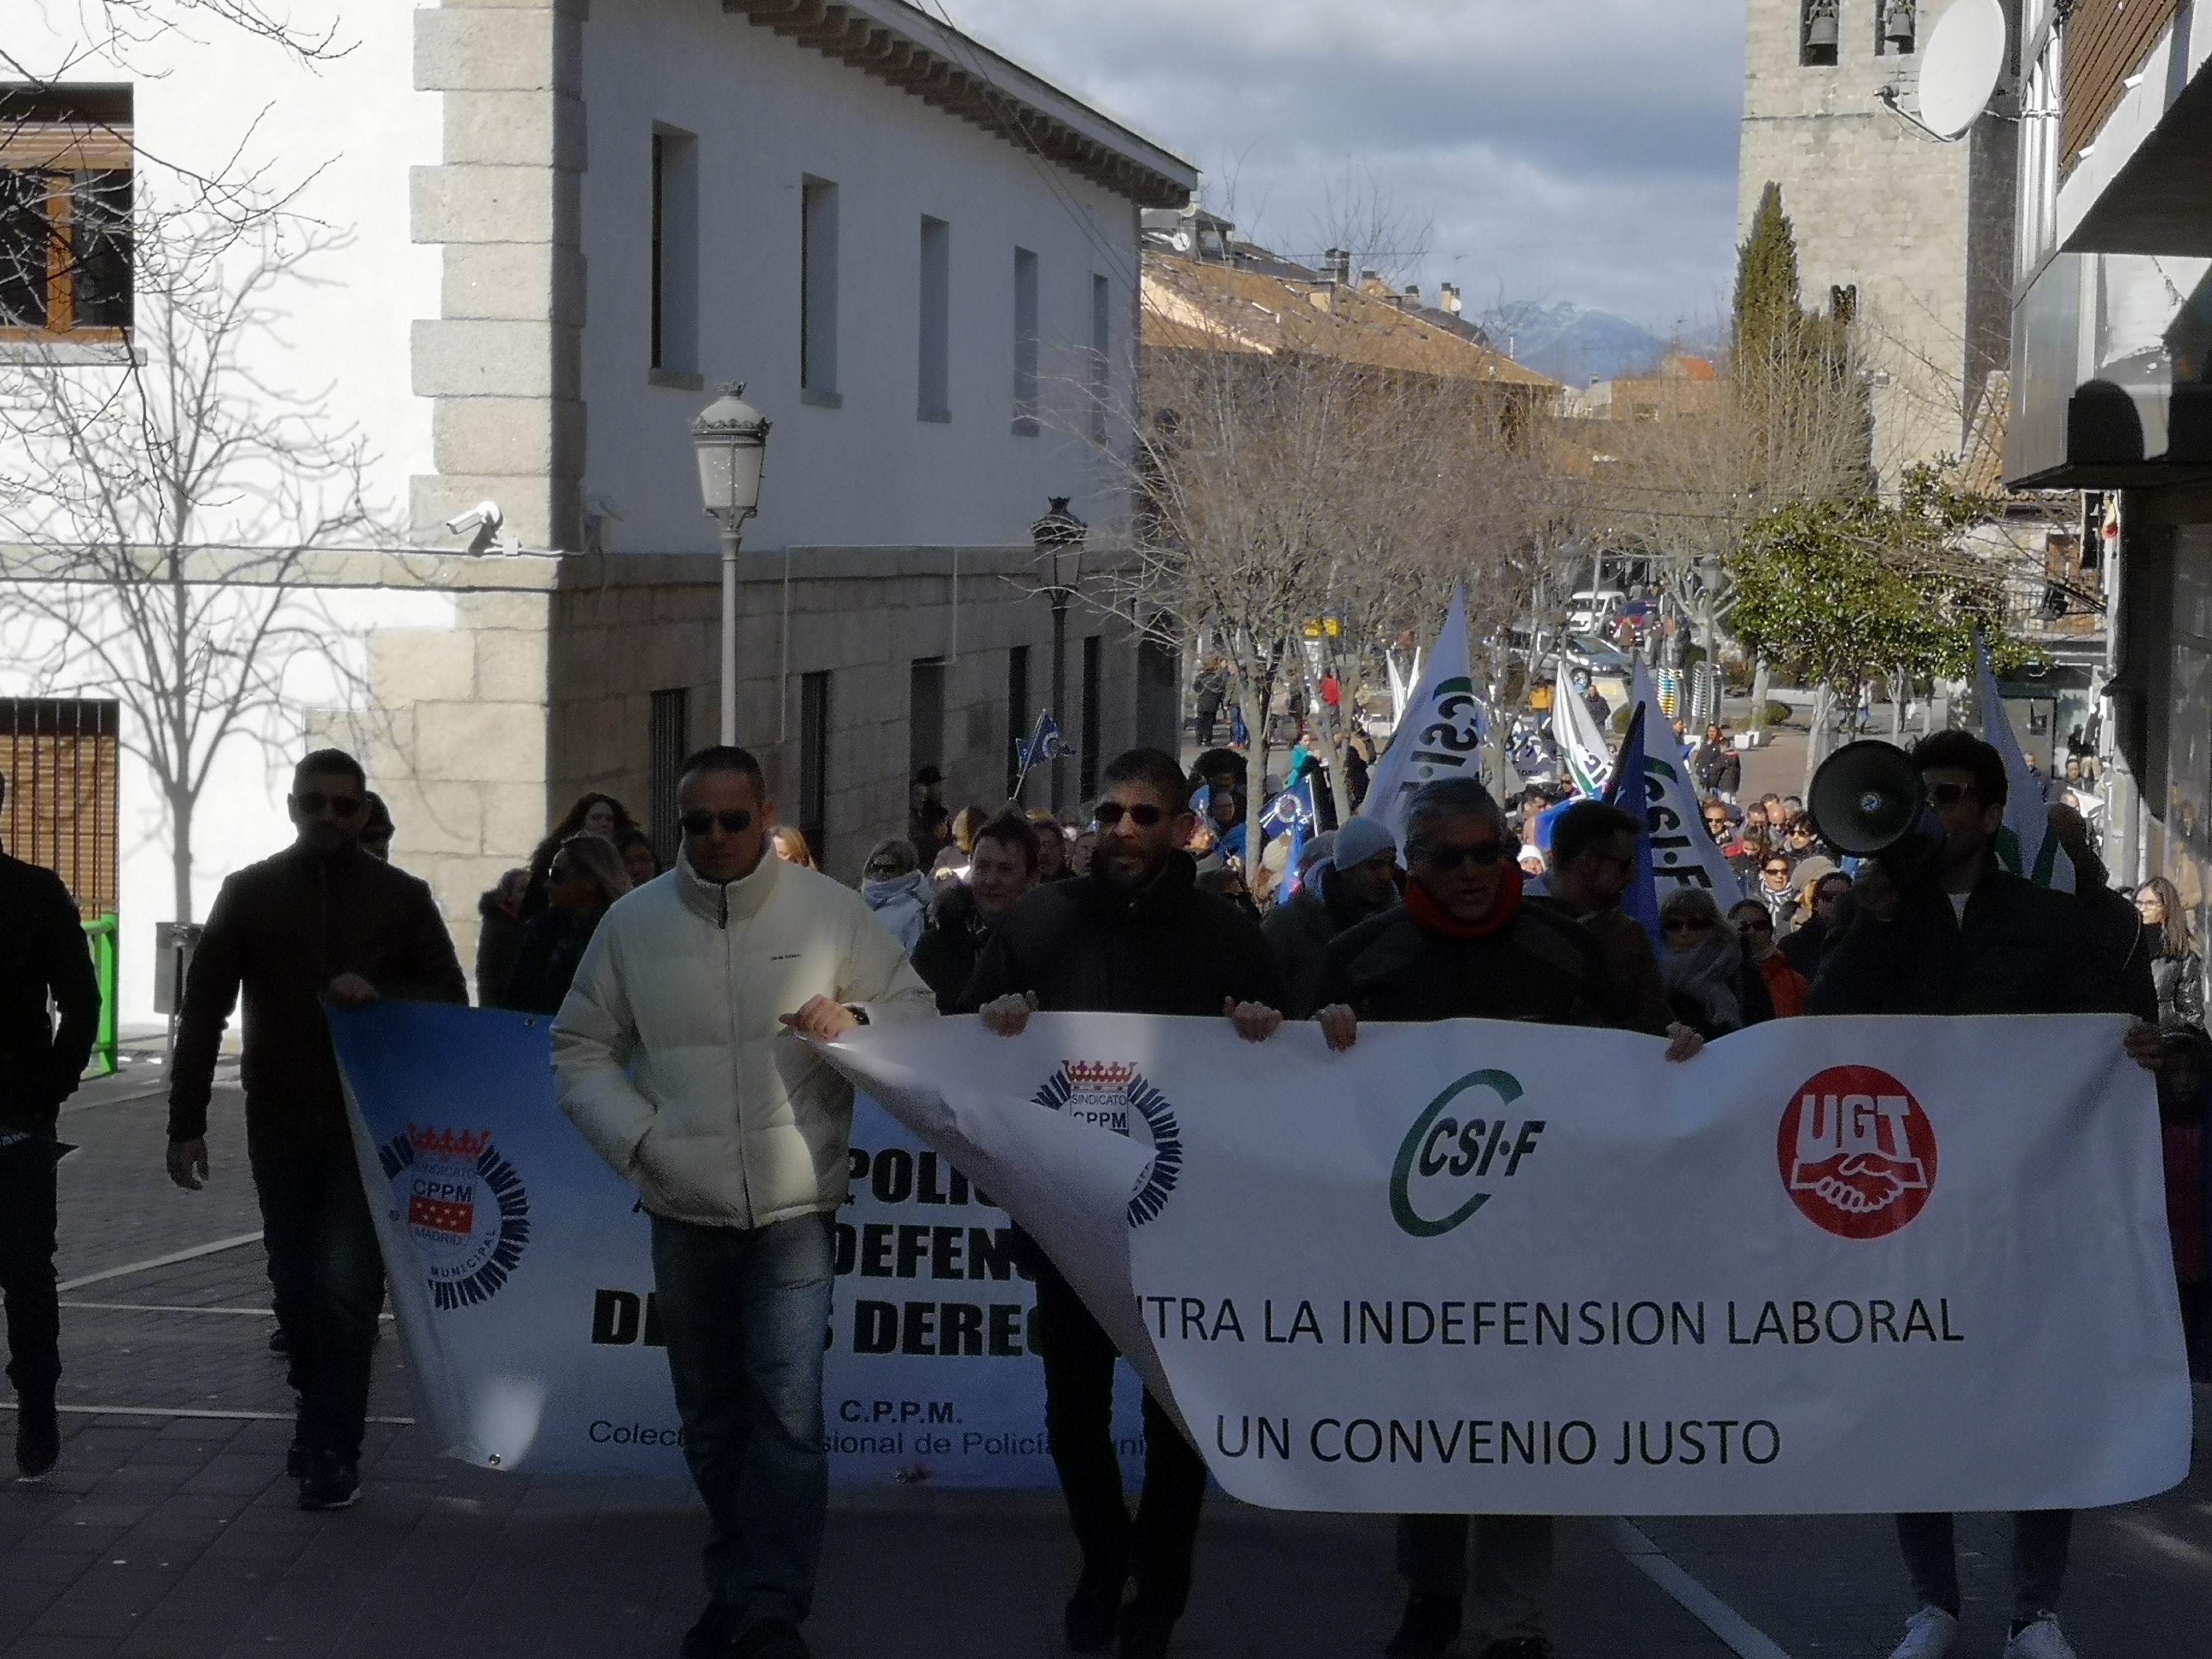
(1628, 790)
(1682, 854)
(1582, 745)
(1442, 733)
(2022, 845)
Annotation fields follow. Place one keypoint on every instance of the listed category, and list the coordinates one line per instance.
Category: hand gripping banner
(521, 1271)
(1828, 1266)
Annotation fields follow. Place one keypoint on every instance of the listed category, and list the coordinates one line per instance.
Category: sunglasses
(1777, 869)
(1144, 815)
(1756, 925)
(315, 803)
(735, 822)
(1445, 857)
(1949, 794)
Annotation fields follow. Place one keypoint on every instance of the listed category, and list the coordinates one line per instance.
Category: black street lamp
(1059, 538)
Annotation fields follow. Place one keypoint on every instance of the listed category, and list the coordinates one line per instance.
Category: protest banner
(521, 1274)
(1683, 854)
(1826, 1266)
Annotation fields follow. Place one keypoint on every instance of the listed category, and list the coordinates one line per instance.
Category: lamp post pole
(730, 537)
(729, 441)
(1059, 537)
(1059, 694)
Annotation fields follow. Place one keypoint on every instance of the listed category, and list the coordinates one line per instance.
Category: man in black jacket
(321, 919)
(43, 962)
(1135, 936)
(1467, 946)
(1960, 934)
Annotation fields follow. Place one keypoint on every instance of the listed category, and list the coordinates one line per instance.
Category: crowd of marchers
(679, 996)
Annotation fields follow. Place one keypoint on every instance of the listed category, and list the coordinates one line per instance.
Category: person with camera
(1937, 925)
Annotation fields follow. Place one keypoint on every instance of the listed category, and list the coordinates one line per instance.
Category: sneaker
(769, 1638)
(710, 1638)
(1929, 1634)
(38, 1440)
(2039, 1638)
(1519, 1647)
(1094, 1611)
(332, 1481)
(1429, 1627)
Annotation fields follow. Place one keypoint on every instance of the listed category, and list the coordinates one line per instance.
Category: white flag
(2022, 846)
(1575, 729)
(1682, 854)
(1441, 732)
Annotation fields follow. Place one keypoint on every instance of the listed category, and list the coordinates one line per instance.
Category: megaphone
(1866, 798)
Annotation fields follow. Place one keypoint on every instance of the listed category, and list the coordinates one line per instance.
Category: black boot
(1429, 1623)
(1094, 1611)
(38, 1437)
(1145, 1634)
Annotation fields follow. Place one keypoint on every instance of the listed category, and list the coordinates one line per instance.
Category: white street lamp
(730, 438)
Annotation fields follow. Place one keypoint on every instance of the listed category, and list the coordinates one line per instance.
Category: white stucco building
(547, 231)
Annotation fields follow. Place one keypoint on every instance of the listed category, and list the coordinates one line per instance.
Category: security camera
(483, 518)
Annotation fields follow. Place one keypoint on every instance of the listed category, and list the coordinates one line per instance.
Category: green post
(100, 935)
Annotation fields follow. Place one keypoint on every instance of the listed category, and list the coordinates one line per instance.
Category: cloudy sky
(1539, 149)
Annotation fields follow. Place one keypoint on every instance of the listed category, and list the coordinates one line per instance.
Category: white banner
(1828, 1266)
(522, 1272)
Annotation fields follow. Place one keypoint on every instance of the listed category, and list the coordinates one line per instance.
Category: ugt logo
(1857, 1153)
(1439, 1151)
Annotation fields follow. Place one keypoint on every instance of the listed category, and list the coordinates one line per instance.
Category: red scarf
(1432, 917)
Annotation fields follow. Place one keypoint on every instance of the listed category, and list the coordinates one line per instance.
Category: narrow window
(668, 739)
(933, 395)
(817, 293)
(1017, 716)
(1025, 344)
(1102, 357)
(675, 344)
(924, 717)
(66, 251)
(814, 763)
(1896, 28)
(1818, 32)
(1093, 654)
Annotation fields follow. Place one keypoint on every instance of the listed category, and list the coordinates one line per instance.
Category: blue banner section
(522, 1272)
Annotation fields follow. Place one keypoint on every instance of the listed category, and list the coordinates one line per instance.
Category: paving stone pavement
(178, 1537)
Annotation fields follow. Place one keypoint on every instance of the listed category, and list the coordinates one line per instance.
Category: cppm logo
(1440, 1151)
(1116, 1095)
(1857, 1154)
(464, 1207)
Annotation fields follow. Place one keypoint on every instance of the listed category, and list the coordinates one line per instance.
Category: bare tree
(158, 519)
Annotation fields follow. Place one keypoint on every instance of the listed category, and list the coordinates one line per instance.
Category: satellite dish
(1966, 58)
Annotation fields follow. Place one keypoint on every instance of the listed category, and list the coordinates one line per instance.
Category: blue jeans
(745, 1311)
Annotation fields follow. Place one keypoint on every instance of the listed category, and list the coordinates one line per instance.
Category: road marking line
(1700, 1603)
(195, 1411)
(160, 1307)
(152, 1263)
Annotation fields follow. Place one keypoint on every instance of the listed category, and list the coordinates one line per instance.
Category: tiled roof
(1199, 306)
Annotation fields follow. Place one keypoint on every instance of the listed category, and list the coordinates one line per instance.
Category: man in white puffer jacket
(676, 1055)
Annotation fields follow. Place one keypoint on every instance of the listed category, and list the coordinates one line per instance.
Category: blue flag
(1292, 810)
(1044, 745)
(1630, 790)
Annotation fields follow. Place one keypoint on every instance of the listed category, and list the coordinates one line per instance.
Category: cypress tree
(1768, 318)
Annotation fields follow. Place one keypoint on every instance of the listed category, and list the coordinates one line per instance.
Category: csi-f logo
(1857, 1153)
(1442, 1149)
